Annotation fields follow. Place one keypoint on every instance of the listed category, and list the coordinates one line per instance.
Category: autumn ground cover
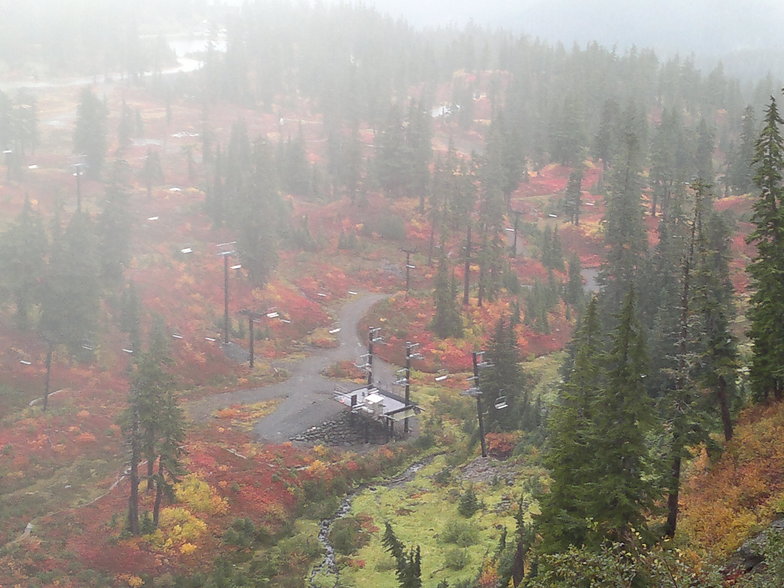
(55, 466)
(726, 499)
(59, 469)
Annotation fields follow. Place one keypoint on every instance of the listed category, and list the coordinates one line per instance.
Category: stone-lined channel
(328, 565)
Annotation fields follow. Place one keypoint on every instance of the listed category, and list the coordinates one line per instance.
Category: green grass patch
(424, 513)
(546, 372)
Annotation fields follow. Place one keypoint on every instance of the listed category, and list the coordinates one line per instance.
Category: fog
(737, 33)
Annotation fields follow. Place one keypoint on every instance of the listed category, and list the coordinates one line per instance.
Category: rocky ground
(341, 431)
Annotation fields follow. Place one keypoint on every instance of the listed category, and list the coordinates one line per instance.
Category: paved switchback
(306, 396)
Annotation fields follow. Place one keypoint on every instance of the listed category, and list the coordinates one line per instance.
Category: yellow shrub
(199, 496)
(177, 527)
(130, 580)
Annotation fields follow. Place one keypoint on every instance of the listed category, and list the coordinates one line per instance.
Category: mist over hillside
(745, 36)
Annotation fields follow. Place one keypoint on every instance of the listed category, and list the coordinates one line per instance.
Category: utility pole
(49, 350)
(516, 227)
(467, 270)
(226, 296)
(252, 315)
(9, 154)
(78, 167)
(410, 355)
(372, 338)
(409, 267)
(225, 255)
(476, 392)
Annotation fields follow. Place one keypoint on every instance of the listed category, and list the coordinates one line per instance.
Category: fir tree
(624, 230)
(151, 172)
(571, 455)
(114, 231)
(704, 152)
(621, 487)
(713, 308)
(90, 132)
(740, 172)
(447, 321)
(70, 297)
(25, 123)
(23, 251)
(605, 141)
(392, 156)
(505, 377)
(408, 562)
(125, 128)
(573, 291)
(154, 425)
(259, 218)
(491, 231)
(573, 195)
(766, 307)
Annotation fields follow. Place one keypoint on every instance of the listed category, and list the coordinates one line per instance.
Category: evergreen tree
(130, 315)
(25, 123)
(505, 144)
(408, 562)
(23, 251)
(552, 252)
(215, 199)
(130, 427)
(740, 172)
(151, 172)
(114, 229)
(680, 410)
(154, 426)
(669, 156)
(152, 384)
(418, 136)
(391, 160)
(766, 306)
(294, 167)
(511, 567)
(6, 122)
(624, 230)
(505, 377)
(491, 229)
(573, 291)
(90, 132)
(260, 218)
(607, 135)
(70, 294)
(169, 450)
(567, 140)
(622, 488)
(713, 307)
(538, 302)
(659, 304)
(573, 195)
(571, 454)
(447, 321)
(125, 128)
(704, 152)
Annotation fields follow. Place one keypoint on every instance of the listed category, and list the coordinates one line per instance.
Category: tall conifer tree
(570, 455)
(622, 490)
(766, 311)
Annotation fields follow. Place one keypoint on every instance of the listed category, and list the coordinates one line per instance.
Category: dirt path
(306, 395)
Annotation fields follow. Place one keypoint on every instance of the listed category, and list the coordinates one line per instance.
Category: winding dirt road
(306, 395)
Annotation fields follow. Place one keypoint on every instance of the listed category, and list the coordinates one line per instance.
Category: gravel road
(307, 395)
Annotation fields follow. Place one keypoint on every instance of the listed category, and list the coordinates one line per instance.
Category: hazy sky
(708, 27)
